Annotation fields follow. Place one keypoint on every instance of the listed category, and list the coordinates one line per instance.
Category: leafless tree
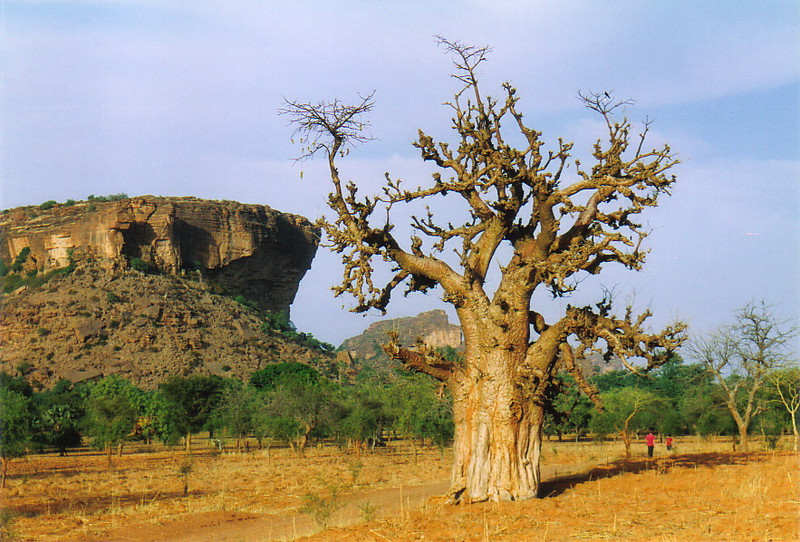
(786, 383)
(557, 230)
(740, 356)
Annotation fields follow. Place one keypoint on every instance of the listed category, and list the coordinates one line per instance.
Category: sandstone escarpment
(251, 250)
(150, 287)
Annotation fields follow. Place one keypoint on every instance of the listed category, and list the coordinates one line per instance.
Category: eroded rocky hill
(151, 287)
(432, 327)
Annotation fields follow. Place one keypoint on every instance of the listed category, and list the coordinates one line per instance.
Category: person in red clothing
(669, 444)
(650, 440)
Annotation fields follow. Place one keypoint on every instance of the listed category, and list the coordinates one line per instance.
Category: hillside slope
(151, 287)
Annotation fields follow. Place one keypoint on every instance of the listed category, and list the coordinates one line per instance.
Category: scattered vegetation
(185, 469)
(140, 265)
(12, 278)
(322, 506)
(110, 197)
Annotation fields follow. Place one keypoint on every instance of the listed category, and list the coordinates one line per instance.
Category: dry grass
(713, 496)
(692, 497)
(56, 498)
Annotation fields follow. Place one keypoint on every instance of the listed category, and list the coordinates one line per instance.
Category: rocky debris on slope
(251, 250)
(134, 287)
(94, 322)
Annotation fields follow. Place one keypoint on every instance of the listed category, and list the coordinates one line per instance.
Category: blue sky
(181, 98)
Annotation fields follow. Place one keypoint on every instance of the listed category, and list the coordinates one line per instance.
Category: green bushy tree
(310, 405)
(61, 412)
(192, 401)
(237, 411)
(626, 411)
(277, 374)
(16, 426)
(111, 413)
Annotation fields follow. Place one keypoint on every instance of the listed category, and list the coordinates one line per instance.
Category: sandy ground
(393, 495)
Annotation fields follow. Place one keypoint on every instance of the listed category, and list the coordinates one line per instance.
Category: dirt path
(355, 508)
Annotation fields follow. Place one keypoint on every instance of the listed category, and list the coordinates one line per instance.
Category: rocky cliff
(252, 250)
(151, 287)
(433, 328)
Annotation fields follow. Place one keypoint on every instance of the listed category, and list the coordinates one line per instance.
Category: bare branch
(328, 126)
(423, 359)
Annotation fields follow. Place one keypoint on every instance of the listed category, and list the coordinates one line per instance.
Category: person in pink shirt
(650, 440)
(669, 444)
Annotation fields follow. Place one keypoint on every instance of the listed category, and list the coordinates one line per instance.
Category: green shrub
(110, 197)
(49, 204)
(139, 265)
(20, 260)
(249, 303)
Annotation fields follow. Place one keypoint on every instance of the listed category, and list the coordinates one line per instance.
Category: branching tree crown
(559, 225)
(741, 356)
(558, 229)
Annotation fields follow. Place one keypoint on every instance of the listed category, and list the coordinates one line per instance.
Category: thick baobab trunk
(497, 442)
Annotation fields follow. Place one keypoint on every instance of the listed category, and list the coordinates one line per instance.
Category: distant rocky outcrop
(433, 328)
(151, 287)
(252, 250)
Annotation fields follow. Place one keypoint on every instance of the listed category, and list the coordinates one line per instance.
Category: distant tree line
(746, 383)
(284, 403)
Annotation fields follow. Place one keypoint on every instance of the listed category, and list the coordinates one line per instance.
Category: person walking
(650, 440)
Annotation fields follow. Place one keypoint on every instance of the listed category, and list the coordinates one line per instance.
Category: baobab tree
(520, 204)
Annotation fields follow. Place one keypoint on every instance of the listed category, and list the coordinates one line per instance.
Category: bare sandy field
(702, 491)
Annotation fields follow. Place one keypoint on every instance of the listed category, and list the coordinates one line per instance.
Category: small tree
(60, 412)
(569, 410)
(192, 400)
(111, 413)
(523, 204)
(307, 406)
(236, 412)
(363, 420)
(786, 384)
(627, 410)
(740, 356)
(16, 427)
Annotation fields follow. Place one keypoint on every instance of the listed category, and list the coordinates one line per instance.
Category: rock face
(148, 288)
(252, 250)
(433, 328)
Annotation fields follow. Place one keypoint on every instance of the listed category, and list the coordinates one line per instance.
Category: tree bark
(743, 440)
(498, 436)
